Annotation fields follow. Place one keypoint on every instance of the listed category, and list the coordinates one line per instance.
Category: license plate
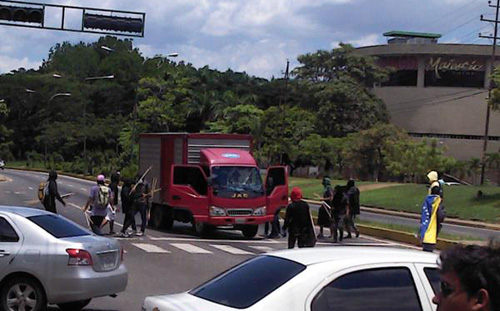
(107, 261)
(240, 220)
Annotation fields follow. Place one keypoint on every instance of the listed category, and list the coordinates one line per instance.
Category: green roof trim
(397, 33)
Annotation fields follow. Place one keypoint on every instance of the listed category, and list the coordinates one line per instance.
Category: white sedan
(319, 279)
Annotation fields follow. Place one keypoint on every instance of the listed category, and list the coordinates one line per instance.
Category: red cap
(296, 194)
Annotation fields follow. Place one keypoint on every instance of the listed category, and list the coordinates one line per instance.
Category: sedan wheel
(23, 294)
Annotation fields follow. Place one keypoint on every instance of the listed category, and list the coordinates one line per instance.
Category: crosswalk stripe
(220, 241)
(232, 250)
(262, 248)
(191, 248)
(150, 248)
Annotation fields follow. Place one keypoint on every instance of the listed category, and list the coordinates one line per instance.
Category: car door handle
(176, 197)
(4, 253)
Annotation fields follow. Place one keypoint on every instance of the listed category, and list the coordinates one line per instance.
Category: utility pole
(282, 103)
(490, 86)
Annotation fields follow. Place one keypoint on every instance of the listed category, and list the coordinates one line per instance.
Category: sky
(254, 36)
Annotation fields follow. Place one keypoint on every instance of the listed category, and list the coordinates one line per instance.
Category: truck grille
(239, 212)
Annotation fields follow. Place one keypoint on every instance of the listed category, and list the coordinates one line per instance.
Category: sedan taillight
(79, 257)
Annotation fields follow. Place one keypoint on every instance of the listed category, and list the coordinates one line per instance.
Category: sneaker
(139, 233)
(112, 232)
(357, 234)
(122, 235)
(320, 236)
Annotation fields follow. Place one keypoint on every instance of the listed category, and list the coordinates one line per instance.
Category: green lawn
(460, 201)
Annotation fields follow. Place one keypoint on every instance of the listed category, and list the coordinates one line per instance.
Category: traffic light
(21, 14)
(114, 23)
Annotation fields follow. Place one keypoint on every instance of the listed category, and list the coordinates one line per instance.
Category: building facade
(438, 91)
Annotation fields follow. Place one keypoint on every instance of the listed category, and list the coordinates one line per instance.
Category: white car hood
(181, 302)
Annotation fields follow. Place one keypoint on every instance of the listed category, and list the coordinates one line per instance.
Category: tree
(5, 142)
(493, 161)
(341, 82)
(366, 151)
(283, 128)
(241, 119)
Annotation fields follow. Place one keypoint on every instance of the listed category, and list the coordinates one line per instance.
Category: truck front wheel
(201, 229)
(249, 231)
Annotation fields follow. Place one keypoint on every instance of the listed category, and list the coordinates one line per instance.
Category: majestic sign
(451, 71)
(439, 64)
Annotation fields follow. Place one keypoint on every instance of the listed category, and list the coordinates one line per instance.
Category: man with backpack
(100, 197)
(49, 193)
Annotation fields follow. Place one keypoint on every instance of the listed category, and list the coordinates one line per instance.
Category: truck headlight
(260, 211)
(217, 211)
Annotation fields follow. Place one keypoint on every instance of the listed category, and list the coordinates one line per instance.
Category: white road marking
(74, 205)
(83, 189)
(263, 248)
(18, 192)
(231, 250)
(31, 188)
(70, 185)
(191, 248)
(150, 248)
(219, 241)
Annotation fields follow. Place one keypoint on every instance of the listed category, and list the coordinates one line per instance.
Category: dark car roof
(22, 211)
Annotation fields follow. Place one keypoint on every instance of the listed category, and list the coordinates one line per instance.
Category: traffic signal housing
(21, 14)
(114, 23)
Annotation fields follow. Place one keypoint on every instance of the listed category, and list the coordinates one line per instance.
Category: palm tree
(473, 168)
(493, 161)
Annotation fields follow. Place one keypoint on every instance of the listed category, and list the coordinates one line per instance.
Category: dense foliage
(68, 115)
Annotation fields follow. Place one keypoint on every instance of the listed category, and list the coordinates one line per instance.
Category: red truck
(210, 180)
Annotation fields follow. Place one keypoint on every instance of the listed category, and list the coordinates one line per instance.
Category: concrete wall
(443, 110)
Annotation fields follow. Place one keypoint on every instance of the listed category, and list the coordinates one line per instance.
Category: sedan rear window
(249, 282)
(58, 226)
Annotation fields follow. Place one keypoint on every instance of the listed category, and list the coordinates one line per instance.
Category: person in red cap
(298, 220)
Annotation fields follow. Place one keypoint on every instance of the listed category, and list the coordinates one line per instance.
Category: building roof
(427, 49)
(411, 34)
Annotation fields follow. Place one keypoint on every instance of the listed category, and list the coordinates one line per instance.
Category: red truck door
(276, 188)
(189, 189)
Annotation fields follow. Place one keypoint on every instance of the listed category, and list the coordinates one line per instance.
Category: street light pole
(48, 106)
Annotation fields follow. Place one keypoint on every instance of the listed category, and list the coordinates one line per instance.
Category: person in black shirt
(340, 209)
(298, 220)
(49, 202)
(354, 209)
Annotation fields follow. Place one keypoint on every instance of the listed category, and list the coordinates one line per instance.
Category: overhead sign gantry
(93, 20)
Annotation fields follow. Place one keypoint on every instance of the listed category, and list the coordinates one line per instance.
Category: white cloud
(8, 63)
(371, 39)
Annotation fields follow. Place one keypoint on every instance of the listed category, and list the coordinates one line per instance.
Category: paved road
(160, 262)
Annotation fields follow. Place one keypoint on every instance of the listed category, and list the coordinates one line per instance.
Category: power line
(456, 15)
(424, 100)
(433, 103)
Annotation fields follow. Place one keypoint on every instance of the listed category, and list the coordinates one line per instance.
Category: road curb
(394, 235)
(448, 220)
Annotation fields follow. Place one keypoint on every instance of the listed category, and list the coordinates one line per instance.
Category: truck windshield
(236, 181)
